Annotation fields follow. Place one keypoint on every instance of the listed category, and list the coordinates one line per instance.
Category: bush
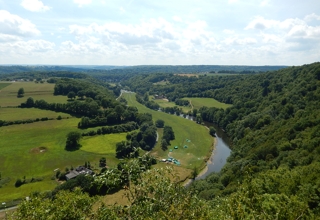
(159, 123)
(18, 183)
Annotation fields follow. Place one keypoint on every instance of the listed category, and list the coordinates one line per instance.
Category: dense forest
(273, 170)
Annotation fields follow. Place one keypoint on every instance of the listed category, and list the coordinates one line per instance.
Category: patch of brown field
(111, 199)
(38, 150)
(187, 74)
(180, 173)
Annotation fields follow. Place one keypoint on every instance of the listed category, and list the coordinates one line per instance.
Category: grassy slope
(11, 114)
(8, 95)
(3, 85)
(165, 103)
(201, 141)
(18, 160)
(209, 102)
(196, 103)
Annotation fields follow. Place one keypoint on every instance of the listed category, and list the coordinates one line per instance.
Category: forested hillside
(274, 124)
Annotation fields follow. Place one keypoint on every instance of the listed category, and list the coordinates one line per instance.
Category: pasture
(195, 103)
(8, 94)
(37, 149)
(12, 114)
(3, 85)
(165, 103)
(199, 149)
(208, 102)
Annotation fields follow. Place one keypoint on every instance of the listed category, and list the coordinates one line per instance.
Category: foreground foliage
(153, 195)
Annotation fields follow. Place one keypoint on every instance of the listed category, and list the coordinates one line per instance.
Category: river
(219, 155)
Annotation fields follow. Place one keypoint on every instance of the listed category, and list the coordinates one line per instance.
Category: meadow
(195, 103)
(165, 103)
(11, 114)
(21, 155)
(208, 102)
(200, 146)
(3, 85)
(8, 94)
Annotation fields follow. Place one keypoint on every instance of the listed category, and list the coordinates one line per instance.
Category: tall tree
(20, 93)
(73, 139)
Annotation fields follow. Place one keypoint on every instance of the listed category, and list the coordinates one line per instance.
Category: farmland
(8, 94)
(195, 103)
(11, 114)
(208, 102)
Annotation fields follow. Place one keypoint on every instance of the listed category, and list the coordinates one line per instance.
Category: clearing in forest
(208, 102)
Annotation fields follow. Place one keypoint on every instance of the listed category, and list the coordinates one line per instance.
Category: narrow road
(191, 105)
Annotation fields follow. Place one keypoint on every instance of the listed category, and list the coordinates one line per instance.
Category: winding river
(221, 152)
(219, 155)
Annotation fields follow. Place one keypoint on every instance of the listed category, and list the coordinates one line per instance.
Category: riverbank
(206, 167)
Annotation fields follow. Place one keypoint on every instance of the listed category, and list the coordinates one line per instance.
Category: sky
(166, 32)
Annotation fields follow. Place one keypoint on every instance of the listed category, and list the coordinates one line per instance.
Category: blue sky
(167, 32)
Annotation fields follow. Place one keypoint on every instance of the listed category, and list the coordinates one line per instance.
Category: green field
(21, 156)
(11, 114)
(3, 85)
(8, 95)
(195, 102)
(165, 103)
(208, 102)
(201, 142)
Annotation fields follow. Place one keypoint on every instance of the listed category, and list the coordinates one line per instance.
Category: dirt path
(119, 95)
(191, 105)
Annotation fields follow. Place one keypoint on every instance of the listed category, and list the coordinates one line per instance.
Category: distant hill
(137, 69)
(37, 68)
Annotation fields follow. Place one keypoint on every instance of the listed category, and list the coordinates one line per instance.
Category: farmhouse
(78, 171)
(159, 96)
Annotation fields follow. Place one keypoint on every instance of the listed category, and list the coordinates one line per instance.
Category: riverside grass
(38, 91)
(208, 102)
(199, 149)
(197, 103)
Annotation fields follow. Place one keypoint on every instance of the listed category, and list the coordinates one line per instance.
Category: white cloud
(265, 3)
(261, 23)
(34, 5)
(80, 3)
(232, 1)
(177, 18)
(122, 10)
(240, 41)
(26, 47)
(155, 39)
(227, 31)
(8, 38)
(11, 24)
(271, 38)
(311, 17)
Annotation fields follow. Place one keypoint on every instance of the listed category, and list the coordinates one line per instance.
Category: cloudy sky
(174, 32)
